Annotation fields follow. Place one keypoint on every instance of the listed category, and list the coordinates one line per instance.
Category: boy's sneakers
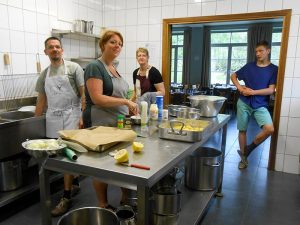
(244, 162)
(62, 207)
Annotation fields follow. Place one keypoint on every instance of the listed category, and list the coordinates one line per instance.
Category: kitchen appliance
(183, 130)
(209, 106)
(165, 219)
(89, 216)
(203, 169)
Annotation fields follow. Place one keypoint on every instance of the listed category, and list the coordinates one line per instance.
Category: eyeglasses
(114, 42)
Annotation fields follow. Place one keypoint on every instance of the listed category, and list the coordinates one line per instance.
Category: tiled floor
(254, 196)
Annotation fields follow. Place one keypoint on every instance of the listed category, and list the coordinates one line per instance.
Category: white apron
(64, 108)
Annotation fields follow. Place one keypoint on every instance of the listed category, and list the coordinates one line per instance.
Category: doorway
(285, 15)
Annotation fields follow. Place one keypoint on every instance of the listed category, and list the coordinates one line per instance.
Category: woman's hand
(133, 107)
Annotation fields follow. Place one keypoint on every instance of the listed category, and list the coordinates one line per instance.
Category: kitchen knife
(136, 166)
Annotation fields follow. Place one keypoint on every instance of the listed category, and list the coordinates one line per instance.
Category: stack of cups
(160, 106)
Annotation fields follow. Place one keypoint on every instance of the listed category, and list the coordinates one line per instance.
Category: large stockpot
(89, 216)
(166, 203)
(209, 106)
(203, 169)
(10, 175)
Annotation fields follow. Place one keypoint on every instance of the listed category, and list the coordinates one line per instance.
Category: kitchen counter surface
(159, 154)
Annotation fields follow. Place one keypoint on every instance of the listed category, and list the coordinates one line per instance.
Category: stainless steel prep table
(161, 155)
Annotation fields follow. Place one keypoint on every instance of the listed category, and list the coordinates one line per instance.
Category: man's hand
(247, 91)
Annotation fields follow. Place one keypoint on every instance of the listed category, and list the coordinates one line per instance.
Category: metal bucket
(167, 204)
(165, 220)
(10, 175)
(203, 169)
(89, 216)
(126, 215)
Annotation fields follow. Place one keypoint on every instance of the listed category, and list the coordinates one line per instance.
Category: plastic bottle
(144, 113)
(120, 121)
(153, 112)
(160, 106)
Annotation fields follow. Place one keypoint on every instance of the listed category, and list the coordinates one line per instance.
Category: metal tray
(170, 132)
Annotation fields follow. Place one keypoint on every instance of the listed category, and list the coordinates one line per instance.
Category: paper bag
(99, 138)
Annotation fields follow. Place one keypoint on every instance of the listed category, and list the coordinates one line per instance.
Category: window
(177, 58)
(276, 42)
(228, 54)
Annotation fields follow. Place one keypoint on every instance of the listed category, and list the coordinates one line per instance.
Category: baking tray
(176, 130)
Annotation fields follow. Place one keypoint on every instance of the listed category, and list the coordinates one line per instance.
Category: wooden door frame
(284, 14)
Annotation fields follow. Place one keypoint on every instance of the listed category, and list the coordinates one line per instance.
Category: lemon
(121, 156)
(137, 146)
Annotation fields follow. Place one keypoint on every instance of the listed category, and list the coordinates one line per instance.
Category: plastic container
(144, 113)
(153, 112)
(160, 106)
(120, 121)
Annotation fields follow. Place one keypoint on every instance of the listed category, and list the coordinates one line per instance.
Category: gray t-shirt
(74, 71)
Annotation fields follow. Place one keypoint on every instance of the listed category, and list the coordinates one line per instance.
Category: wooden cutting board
(99, 138)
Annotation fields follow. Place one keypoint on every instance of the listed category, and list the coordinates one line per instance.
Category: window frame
(176, 47)
(229, 46)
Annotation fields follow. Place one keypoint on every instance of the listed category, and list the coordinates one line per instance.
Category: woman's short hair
(143, 50)
(106, 36)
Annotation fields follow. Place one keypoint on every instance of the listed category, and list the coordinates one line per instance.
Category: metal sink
(16, 115)
(15, 128)
(4, 121)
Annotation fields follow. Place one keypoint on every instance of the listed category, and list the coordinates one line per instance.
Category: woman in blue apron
(106, 93)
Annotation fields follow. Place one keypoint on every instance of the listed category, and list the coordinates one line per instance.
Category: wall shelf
(61, 33)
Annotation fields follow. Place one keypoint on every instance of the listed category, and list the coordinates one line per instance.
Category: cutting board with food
(99, 138)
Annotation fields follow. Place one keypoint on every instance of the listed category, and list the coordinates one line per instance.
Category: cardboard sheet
(99, 138)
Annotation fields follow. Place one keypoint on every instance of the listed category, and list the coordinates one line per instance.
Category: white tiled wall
(149, 24)
(25, 24)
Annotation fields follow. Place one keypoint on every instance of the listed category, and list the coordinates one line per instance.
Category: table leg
(223, 148)
(45, 196)
(143, 195)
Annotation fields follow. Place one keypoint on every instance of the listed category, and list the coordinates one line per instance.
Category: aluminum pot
(209, 106)
(10, 175)
(80, 26)
(89, 216)
(165, 220)
(89, 27)
(167, 204)
(203, 169)
(188, 113)
(126, 215)
(172, 109)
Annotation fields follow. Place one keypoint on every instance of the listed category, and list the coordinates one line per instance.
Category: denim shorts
(244, 112)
